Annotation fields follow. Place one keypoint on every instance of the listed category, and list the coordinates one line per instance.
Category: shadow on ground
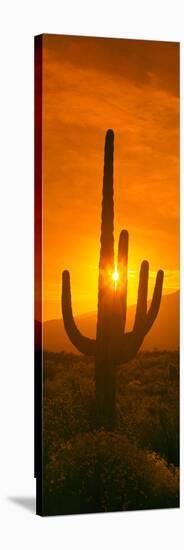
(29, 503)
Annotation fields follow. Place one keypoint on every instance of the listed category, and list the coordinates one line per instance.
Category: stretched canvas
(106, 274)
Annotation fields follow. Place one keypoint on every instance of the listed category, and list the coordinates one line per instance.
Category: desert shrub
(68, 402)
(147, 403)
(151, 424)
(133, 468)
(101, 471)
(148, 406)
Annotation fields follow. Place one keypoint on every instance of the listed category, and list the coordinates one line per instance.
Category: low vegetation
(136, 466)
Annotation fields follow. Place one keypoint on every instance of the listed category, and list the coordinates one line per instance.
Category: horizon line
(92, 312)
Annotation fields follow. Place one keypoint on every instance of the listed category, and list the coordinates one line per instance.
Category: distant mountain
(163, 335)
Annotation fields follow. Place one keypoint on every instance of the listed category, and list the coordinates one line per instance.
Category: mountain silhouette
(164, 335)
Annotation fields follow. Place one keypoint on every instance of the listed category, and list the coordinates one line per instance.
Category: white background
(20, 21)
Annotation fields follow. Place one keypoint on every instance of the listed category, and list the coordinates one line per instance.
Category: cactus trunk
(105, 393)
(105, 371)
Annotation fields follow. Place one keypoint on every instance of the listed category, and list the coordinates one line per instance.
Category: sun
(115, 277)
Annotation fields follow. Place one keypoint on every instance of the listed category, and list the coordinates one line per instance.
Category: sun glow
(115, 277)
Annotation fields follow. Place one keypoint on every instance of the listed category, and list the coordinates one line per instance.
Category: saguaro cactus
(112, 346)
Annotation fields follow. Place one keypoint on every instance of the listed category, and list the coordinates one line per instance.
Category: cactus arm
(155, 304)
(141, 310)
(128, 347)
(132, 341)
(123, 274)
(143, 319)
(83, 344)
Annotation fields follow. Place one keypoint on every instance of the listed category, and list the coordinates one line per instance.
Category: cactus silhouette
(112, 346)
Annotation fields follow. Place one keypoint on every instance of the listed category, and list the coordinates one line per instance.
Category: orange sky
(90, 85)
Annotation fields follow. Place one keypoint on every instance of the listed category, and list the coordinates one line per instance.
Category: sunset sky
(90, 85)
